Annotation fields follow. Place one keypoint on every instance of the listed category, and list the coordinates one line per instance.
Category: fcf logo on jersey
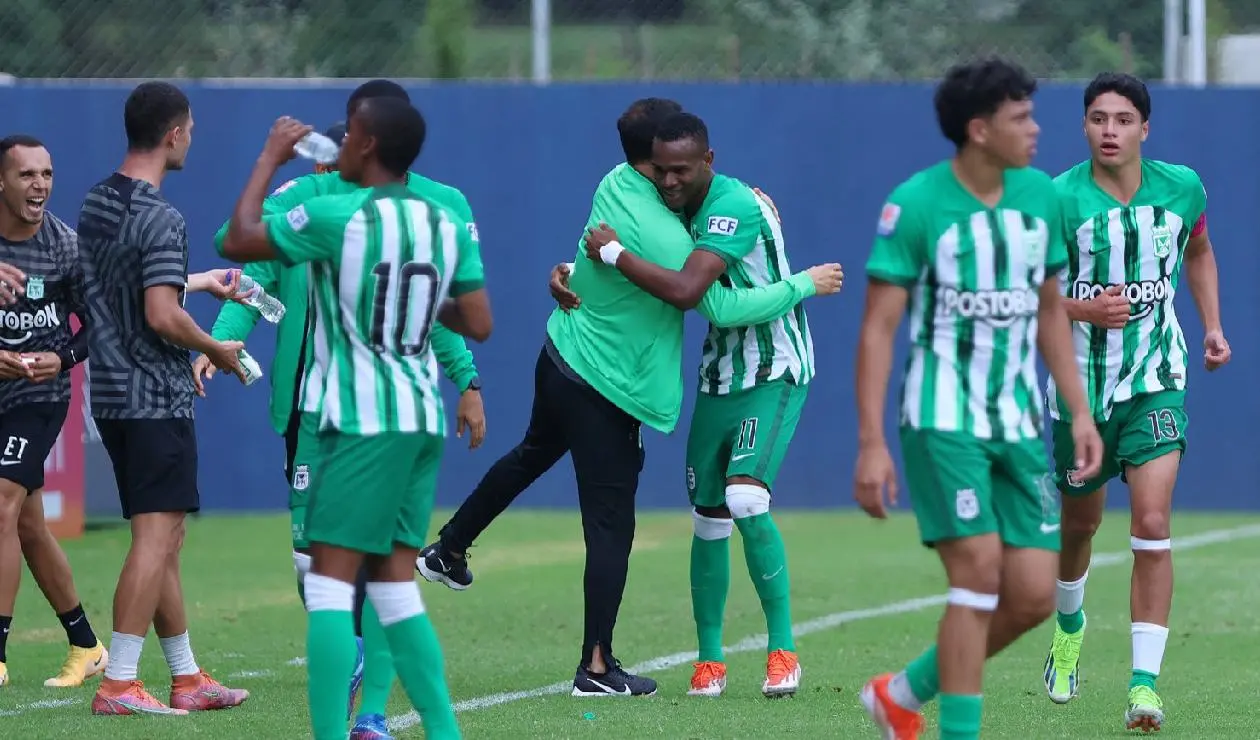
(34, 287)
(724, 225)
(1162, 235)
(297, 218)
(301, 477)
(888, 219)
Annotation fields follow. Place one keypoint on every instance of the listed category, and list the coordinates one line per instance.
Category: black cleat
(616, 682)
(437, 565)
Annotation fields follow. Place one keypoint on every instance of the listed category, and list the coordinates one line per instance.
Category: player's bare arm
(12, 283)
(1202, 276)
(681, 289)
(468, 314)
(166, 316)
(1109, 309)
(885, 305)
(559, 287)
(247, 239)
(1054, 342)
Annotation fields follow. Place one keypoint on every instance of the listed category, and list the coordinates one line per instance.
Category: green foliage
(447, 26)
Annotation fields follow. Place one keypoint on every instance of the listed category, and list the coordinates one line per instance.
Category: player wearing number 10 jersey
(1130, 224)
(383, 262)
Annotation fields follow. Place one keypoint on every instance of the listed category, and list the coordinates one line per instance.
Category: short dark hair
(637, 126)
(684, 126)
(375, 89)
(399, 130)
(152, 110)
(1126, 86)
(336, 132)
(976, 90)
(17, 140)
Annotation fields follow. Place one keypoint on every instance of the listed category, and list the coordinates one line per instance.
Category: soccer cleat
(894, 721)
(437, 565)
(356, 678)
(1062, 670)
(615, 682)
(370, 727)
(199, 692)
(4, 674)
(81, 664)
(708, 679)
(121, 698)
(1146, 710)
(783, 674)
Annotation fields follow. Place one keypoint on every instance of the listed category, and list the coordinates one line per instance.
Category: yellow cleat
(4, 674)
(81, 664)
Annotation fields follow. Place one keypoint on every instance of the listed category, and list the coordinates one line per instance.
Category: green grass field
(865, 598)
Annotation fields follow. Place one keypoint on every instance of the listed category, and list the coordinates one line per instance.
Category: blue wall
(529, 159)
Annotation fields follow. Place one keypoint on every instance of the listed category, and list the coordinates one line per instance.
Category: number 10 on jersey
(405, 314)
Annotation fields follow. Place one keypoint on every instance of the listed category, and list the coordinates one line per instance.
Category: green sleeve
(469, 274)
(730, 226)
(453, 355)
(463, 210)
(1056, 237)
(283, 198)
(727, 307)
(1199, 206)
(311, 231)
(236, 320)
(900, 249)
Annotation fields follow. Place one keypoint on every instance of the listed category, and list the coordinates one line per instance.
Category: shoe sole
(433, 576)
(876, 712)
(597, 694)
(1144, 722)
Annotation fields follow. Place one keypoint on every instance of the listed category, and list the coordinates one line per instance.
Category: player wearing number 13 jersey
(1131, 224)
(383, 262)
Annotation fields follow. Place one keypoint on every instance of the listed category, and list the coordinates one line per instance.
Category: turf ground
(866, 599)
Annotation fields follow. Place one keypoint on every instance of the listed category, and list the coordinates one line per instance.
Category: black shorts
(27, 435)
(155, 464)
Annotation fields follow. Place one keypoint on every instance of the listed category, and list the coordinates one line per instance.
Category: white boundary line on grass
(830, 621)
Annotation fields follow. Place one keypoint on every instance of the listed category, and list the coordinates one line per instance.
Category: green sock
(923, 676)
(378, 664)
(1071, 623)
(710, 582)
(330, 653)
(418, 660)
(960, 716)
(1142, 678)
(767, 565)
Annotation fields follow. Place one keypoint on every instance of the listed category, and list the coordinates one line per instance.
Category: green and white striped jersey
(974, 274)
(741, 228)
(381, 263)
(1139, 246)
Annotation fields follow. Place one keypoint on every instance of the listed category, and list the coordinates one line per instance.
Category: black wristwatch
(474, 385)
(68, 360)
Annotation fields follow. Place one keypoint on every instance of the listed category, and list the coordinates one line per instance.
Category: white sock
(1149, 641)
(328, 594)
(899, 690)
(124, 657)
(395, 602)
(179, 655)
(1069, 596)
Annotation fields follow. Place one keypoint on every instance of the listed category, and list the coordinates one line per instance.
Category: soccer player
(373, 382)
(1130, 225)
(971, 246)
(35, 397)
(606, 368)
(754, 378)
(133, 247)
(376, 670)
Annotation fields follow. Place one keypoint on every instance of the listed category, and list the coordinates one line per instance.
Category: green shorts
(303, 463)
(370, 493)
(961, 486)
(1141, 429)
(741, 434)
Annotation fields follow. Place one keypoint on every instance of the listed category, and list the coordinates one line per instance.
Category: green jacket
(289, 285)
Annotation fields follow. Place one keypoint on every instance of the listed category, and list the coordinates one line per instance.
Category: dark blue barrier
(528, 160)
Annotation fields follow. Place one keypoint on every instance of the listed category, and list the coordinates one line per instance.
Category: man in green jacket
(375, 668)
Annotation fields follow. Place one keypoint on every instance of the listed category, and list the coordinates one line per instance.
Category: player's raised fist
(1109, 309)
(285, 133)
(827, 278)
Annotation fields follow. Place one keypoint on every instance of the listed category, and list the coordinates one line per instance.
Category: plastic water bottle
(250, 367)
(268, 305)
(317, 147)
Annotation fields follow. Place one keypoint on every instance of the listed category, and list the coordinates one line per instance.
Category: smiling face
(26, 177)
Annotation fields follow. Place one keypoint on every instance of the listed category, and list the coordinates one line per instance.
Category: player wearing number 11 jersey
(383, 262)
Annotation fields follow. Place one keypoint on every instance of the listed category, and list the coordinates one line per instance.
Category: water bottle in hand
(317, 147)
(249, 367)
(269, 306)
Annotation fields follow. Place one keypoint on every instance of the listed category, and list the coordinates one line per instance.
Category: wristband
(571, 265)
(610, 252)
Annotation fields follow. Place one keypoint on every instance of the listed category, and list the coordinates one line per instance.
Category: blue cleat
(370, 727)
(356, 678)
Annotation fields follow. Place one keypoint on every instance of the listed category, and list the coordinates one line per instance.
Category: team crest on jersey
(691, 478)
(888, 219)
(34, 287)
(966, 505)
(1073, 478)
(1034, 245)
(301, 477)
(1162, 235)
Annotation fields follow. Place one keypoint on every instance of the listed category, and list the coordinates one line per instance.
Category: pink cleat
(199, 692)
(119, 698)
